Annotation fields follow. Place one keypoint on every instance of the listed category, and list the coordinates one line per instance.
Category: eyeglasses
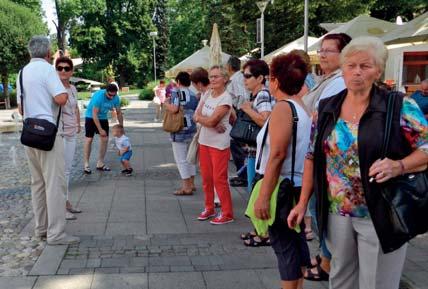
(215, 76)
(248, 75)
(320, 51)
(65, 68)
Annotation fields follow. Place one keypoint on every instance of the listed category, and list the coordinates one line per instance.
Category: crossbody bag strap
(22, 91)
(388, 122)
(293, 154)
(259, 160)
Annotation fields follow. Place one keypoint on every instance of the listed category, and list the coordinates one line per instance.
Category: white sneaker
(67, 240)
(70, 216)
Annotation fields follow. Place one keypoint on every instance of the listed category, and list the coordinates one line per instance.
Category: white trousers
(185, 169)
(357, 258)
(69, 150)
(48, 188)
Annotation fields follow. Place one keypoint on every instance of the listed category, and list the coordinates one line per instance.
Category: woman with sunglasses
(70, 120)
(258, 109)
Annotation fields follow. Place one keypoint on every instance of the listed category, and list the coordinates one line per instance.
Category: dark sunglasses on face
(248, 75)
(65, 68)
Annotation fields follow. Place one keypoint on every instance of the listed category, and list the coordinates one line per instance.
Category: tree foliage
(115, 32)
(17, 25)
(160, 20)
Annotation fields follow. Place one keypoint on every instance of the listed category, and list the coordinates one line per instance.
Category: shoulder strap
(388, 122)
(293, 155)
(22, 91)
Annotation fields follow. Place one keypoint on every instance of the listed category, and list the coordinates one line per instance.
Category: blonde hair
(222, 70)
(370, 44)
(119, 127)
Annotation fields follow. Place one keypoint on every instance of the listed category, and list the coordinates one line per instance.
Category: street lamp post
(262, 7)
(154, 34)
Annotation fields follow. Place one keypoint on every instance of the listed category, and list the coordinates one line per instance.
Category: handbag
(37, 133)
(193, 151)
(406, 196)
(173, 121)
(287, 194)
(245, 130)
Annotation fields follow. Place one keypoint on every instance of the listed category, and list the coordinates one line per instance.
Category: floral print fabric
(346, 193)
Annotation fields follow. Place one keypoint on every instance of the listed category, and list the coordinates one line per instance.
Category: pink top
(160, 92)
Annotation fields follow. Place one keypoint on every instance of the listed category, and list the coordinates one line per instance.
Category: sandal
(320, 274)
(253, 242)
(182, 192)
(103, 168)
(248, 235)
(74, 210)
(87, 170)
(309, 235)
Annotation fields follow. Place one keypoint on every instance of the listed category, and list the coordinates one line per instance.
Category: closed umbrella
(215, 47)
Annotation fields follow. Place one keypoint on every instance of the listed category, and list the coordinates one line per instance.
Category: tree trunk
(5, 82)
(60, 31)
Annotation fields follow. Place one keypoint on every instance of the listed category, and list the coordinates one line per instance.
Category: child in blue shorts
(123, 144)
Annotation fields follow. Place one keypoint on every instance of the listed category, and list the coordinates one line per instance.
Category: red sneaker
(221, 220)
(205, 215)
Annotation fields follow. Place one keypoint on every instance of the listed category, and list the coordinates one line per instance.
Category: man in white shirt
(236, 89)
(43, 94)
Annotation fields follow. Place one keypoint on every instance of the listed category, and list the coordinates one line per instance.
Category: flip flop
(252, 242)
(103, 168)
(87, 170)
(248, 235)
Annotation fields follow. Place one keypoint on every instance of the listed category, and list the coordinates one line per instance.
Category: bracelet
(402, 167)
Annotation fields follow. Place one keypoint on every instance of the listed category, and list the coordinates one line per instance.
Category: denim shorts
(126, 156)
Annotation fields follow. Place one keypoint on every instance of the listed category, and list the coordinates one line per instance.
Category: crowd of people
(319, 143)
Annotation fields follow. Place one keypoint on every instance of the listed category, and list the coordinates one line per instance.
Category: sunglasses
(65, 68)
(248, 75)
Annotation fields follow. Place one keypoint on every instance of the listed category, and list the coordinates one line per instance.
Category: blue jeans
(312, 209)
(251, 171)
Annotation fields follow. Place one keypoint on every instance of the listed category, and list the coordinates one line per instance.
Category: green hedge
(124, 102)
(147, 92)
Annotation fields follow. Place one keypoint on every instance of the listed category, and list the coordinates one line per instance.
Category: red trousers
(214, 165)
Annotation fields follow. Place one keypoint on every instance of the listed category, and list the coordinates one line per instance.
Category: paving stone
(122, 281)
(206, 267)
(106, 270)
(93, 263)
(170, 261)
(139, 262)
(115, 262)
(48, 263)
(64, 282)
(81, 271)
(180, 280)
(17, 282)
(72, 264)
(182, 268)
(158, 269)
(133, 270)
(236, 279)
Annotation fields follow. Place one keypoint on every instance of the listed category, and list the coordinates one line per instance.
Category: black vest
(370, 138)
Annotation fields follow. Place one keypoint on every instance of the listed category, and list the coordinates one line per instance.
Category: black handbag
(288, 194)
(245, 130)
(406, 195)
(37, 133)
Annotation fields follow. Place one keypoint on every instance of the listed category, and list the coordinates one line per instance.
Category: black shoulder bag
(37, 133)
(287, 193)
(406, 195)
(245, 130)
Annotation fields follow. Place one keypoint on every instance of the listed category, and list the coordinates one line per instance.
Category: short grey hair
(222, 70)
(370, 44)
(39, 46)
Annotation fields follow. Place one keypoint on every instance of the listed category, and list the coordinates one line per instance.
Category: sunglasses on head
(65, 68)
(248, 75)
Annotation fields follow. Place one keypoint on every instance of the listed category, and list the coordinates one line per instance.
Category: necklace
(357, 115)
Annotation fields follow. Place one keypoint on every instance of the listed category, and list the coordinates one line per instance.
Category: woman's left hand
(262, 208)
(383, 170)
(246, 106)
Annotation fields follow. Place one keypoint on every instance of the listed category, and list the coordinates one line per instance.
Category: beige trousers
(357, 258)
(48, 187)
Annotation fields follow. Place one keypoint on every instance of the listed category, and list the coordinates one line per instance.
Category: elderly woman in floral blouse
(345, 169)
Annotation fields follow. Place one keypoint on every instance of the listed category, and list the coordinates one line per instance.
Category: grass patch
(85, 95)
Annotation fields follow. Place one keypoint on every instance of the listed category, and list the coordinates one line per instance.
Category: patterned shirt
(346, 194)
(185, 98)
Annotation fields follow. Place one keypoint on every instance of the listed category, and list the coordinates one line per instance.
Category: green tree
(115, 32)
(67, 11)
(17, 25)
(389, 10)
(161, 22)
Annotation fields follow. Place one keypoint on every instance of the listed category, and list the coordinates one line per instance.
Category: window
(415, 67)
